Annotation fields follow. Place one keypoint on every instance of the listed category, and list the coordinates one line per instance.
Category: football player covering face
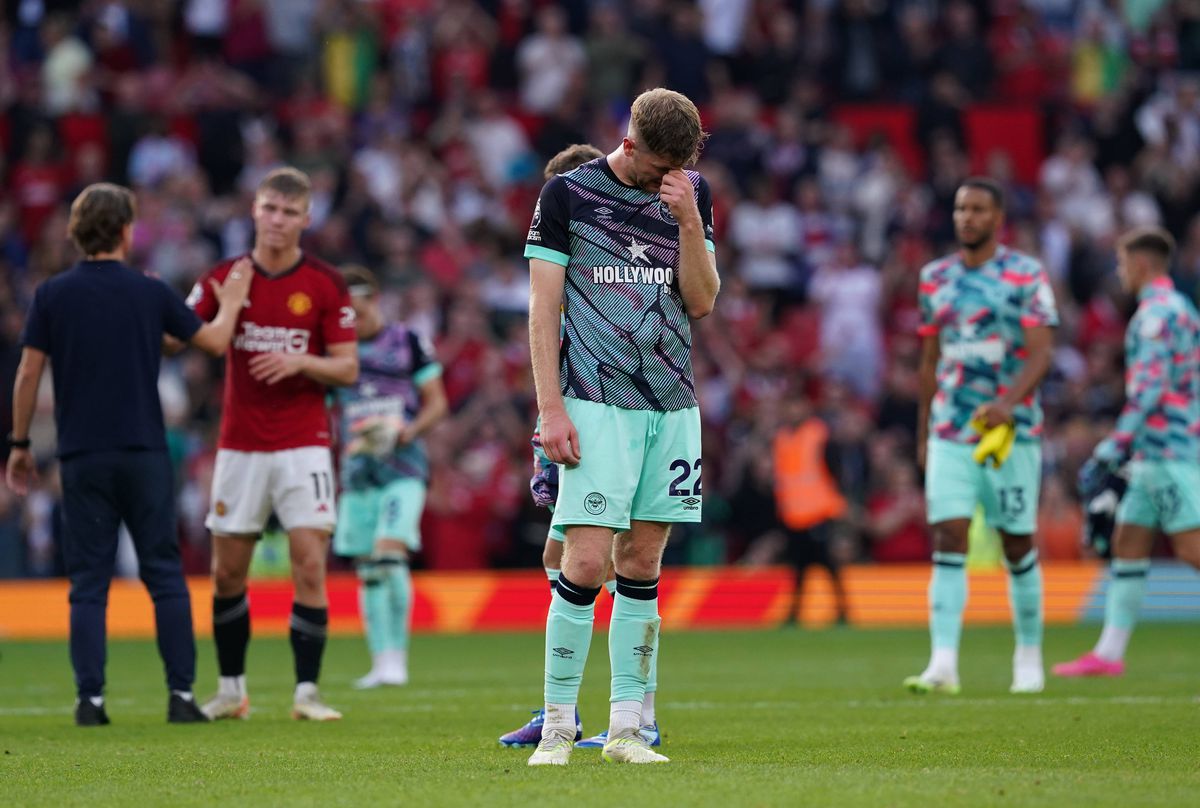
(643, 168)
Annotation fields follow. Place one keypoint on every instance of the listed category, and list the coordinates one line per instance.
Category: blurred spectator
(613, 57)
(159, 154)
(764, 231)
(66, 71)
(849, 293)
(964, 54)
(550, 62)
(37, 183)
(896, 517)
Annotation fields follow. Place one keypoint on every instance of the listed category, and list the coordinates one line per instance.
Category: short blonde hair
(668, 124)
(288, 182)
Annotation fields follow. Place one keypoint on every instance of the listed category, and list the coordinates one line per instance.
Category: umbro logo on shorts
(690, 504)
(563, 653)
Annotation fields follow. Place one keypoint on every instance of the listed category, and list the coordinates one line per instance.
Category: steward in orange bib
(807, 497)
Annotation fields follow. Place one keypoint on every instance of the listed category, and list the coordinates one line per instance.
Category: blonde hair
(668, 124)
(287, 182)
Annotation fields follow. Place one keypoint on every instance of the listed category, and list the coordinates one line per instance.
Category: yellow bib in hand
(996, 443)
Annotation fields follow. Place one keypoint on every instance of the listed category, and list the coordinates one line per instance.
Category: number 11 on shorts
(322, 485)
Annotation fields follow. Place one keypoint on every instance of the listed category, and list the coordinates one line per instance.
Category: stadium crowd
(424, 125)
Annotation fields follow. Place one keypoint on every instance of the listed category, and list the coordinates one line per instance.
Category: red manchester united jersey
(301, 310)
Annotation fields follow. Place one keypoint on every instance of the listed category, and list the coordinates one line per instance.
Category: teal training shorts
(955, 483)
(636, 464)
(1162, 494)
(555, 533)
(392, 511)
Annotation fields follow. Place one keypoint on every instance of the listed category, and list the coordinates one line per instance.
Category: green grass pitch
(754, 718)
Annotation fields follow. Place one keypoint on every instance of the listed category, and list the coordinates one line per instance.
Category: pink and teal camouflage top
(979, 315)
(1161, 417)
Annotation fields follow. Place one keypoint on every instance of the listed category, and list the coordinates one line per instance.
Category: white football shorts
(297, 484)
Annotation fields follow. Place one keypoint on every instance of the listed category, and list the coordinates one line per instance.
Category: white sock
(394, 661)
(624, 718)
(1112, 643)
(305, 691)
(97, 701)
(648, 709)
(944, 662)
(1027, 656)
(186, 695)
(232, 685)
(560, 717)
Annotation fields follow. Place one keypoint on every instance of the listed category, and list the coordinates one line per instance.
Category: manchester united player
(295, 338)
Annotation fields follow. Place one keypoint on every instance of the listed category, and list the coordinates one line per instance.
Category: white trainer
(307, 706)
(554, 749)
(381, 678)
(631, 749)
(372, 680)
(227, 705)
(933, 682)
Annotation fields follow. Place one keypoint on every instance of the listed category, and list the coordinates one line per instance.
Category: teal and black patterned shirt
(626, 338)
(979, 315)
(392, 367)
(1161, 417)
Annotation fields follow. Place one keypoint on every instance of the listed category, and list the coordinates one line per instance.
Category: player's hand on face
(21, 470)
(679, 195)
(275, 367)
(994, 414)
(560, 439)
(237, 284)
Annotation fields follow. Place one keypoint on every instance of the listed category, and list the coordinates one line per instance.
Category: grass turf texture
(757, 718)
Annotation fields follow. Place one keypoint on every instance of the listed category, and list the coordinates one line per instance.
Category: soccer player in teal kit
(1157, 434)
(623, 245)
(987, 320)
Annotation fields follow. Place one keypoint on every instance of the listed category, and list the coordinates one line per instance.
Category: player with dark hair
(101, 326)
(621, 256)
(1155, 437)
(295, 339)
(398, 397)
(987, 320)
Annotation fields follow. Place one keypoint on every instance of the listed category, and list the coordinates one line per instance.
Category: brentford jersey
(304, 309)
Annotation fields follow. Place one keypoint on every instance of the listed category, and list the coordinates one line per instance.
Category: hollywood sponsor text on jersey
(981, 350)
(629, 274)
(368, 407)
(257, 338)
